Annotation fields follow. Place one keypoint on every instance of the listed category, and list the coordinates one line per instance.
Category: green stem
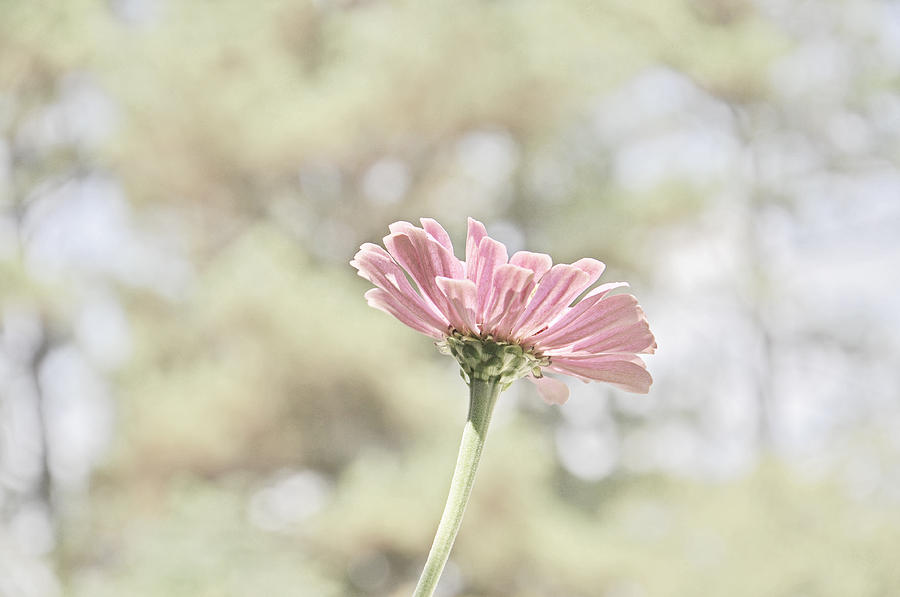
(482, 396)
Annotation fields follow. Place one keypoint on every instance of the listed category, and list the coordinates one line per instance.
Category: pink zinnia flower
(523, 302)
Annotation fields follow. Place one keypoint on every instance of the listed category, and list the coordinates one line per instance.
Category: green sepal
(491, 360)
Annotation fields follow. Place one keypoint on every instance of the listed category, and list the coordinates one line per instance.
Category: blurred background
(195, 399)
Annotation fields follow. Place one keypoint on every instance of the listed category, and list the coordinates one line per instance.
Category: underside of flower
(505, 317)
(492, 360)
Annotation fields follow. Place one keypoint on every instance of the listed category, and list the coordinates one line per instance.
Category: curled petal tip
(437, 232)
(553, 391)
(592, 267)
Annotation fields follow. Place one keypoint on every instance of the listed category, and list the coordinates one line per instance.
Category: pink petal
(635, 338)
(592, 267)
(491, 255)
(431, 251)
(569, 316)
(461, 294)
(437, 232)
(376, 265)
(551, 390)
(582, 323)
(381, 299)
(623, 371)
(425, 259)
(401, 227)
(539, 263)
(511, 287)
(605, 289)
(474, 235)
(554, 293)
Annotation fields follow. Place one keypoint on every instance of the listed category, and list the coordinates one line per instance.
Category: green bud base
(491, 360)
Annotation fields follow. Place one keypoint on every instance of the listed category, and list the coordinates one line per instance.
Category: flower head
(507, 317)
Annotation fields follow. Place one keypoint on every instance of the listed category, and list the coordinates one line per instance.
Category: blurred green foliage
(276, 364)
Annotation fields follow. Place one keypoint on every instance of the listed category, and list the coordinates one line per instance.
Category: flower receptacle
(491, 360)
